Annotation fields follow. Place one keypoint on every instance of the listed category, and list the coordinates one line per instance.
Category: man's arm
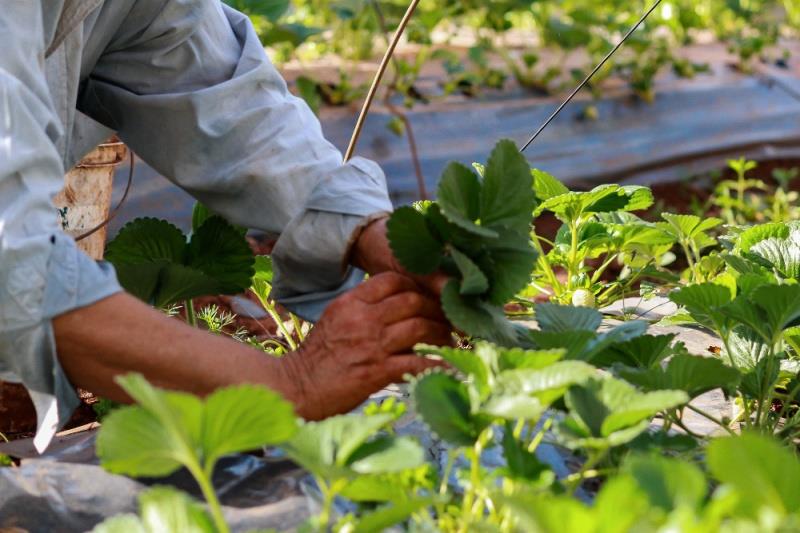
(362, 343)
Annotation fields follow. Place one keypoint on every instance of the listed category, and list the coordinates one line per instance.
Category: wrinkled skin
(364, 341)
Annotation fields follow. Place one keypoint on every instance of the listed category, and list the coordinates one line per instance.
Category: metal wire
(590, 76)
(119, 204)
(377, 79)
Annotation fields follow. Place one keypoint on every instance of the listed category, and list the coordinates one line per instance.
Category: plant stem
(712, 418)
(191, 318)
(591, 461)
(573, 254)
(327, 504)
(272, 311)
(203, 479)
(451, 458)
(678, 422)
(689, 260)
(298, 327)
(545, 265)
(599, 272)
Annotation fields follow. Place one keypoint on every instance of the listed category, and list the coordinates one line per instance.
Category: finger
(381, 286)
(435, 283)
(402, 336)
(397, 367)
(408, 305)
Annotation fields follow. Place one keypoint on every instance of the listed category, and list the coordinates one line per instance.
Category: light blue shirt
(187, 86)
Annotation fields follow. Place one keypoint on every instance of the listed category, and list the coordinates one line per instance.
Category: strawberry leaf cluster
(478, 231)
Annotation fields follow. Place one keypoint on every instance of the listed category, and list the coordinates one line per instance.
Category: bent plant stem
(545, 265)
(203, 478)
(472, 505)
(602, 268)
(574, 481)
(329, 492)
(711, 417)
(272, 311)
(298, 327)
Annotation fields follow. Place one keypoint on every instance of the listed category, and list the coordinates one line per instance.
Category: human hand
(373, 254)
(363, 342)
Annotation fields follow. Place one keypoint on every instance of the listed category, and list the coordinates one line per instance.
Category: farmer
(187, 85)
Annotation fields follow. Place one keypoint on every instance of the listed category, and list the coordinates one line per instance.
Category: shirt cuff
(66, 280)
(310, 257)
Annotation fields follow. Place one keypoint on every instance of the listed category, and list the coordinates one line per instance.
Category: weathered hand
(364, 342)
(373, 254)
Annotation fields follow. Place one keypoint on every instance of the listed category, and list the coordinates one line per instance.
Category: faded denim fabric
(187, 86)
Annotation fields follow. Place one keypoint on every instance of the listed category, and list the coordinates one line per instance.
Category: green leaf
(123, 523)
(546, 186)
(154, 262)
(520, 463)
(519, 359)
(473, 281)
(140, 252)
(703, 301)
(747, 347)
(646, 351)
(689, 226)
(669, 484)
(751, 236)
(692, 374)
(386, 454)
(761, 379)
(162, 509)
(559, 375)
(548, 514)
(244, 418)
(466, 362)
(152, 439)
(459, 197)
(609, 412)
(507, 196)
(780, 254)
(200, 213)
(221, 252)
(178, 282)
(563, 318)
(292, 33)
(172, 429)
(390, 515)
(444, 405)
(328, 447)
(476, 317)
(271, 9)
(511, 260)
(147, 240)
(765, 474)
(642, 407)
(412, 241)
(261, 283)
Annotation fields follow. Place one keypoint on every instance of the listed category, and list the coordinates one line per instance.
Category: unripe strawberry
(583, 298)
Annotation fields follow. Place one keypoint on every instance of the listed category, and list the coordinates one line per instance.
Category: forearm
(120, 334)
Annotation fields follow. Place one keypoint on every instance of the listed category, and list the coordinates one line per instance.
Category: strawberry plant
(478, 232)
(597, 226)
(156, 262)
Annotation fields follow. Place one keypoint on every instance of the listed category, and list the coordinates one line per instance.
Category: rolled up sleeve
(188, 86)
(42, 273)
